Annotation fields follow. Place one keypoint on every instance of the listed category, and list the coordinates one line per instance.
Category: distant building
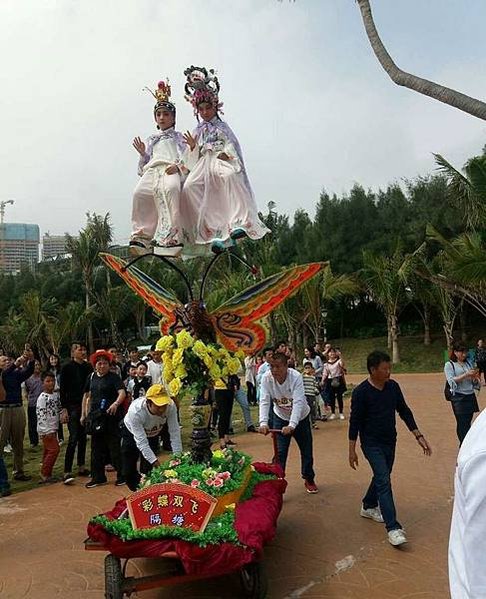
(53, 246)
(19, 246)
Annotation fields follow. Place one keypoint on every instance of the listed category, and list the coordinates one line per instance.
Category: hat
(98, 354)
(162, 95)
(158, 395)
(202, 85)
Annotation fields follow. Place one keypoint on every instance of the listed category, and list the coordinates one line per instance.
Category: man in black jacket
(373, 406)
(73, 381)
(12, 414)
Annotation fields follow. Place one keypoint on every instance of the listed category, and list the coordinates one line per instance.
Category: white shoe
(397, 537)
(332, 417)
(7, 448)
(341, 416)
(373, 513)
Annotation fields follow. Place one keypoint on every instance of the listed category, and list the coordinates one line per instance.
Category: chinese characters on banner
(171, 504)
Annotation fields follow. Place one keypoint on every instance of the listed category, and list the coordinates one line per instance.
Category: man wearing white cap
(142, 424)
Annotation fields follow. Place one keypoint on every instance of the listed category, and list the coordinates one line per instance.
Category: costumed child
(48, 413)
(156, 200)
(218, 205)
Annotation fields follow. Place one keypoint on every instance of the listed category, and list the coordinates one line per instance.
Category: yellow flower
(184, 339)
(170, 473)
(165, 343)
(240, 354)
(178, 356)
(234, 365)
(200, 349)
(180, 372)
(215, 372)
(208, 361)
(174, 387)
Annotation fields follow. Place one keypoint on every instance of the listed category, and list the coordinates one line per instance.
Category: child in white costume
(156, 201)
(217, 202)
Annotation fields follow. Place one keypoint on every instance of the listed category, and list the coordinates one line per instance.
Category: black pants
(101, 444)
(224, 402)
(336, 393)
(32, 422)
(303, 437)
(129, 458)
(463, 424)
(77, 438)
(251, 393)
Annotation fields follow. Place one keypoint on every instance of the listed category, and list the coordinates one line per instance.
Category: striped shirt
(310, 385)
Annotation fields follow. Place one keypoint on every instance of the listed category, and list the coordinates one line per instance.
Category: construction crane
(2, 209)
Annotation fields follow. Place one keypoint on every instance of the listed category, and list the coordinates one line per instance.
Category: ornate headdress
(202, 86)
(162, 96)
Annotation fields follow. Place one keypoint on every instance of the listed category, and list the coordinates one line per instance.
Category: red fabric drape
(255, 524)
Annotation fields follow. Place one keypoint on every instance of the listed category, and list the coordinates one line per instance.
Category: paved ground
(322, 548)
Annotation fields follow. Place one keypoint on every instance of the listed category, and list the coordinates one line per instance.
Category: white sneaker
(7, 448)
(373, 513)
(341, 416)
(332, 417)
(397, 537)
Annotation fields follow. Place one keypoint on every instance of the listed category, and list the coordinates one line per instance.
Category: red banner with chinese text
(170, 504)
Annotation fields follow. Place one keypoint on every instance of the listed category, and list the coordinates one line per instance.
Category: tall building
(53, 246)
(19, 246)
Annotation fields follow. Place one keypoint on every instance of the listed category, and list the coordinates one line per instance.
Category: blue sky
(301, 88)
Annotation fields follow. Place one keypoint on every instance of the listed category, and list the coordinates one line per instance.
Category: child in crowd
(142, 382)
(156, 200)
(33, 387)
(333, 376)
(217, 199)
(311, 390)
(48, 413)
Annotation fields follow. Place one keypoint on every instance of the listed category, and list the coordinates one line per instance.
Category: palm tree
(84, 250)
(467, 190)
(423, 86)
(384, 277)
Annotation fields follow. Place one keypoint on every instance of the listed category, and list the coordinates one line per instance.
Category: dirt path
(322, 548)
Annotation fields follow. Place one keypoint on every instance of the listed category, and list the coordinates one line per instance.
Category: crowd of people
(125, 408)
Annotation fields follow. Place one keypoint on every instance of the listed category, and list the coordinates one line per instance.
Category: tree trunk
(90, 325)
(394, 339)
(422, 86)
(448, 330)
(426, 318)
(389, 333)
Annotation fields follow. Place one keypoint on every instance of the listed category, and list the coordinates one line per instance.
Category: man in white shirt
(154, 366)
(283, 388)
(467, 542)
(142, 425)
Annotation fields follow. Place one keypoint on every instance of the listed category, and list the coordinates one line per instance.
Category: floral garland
(219, 530)
(193, 365)
(224, 474)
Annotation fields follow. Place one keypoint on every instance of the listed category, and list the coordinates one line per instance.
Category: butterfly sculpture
(237, 324)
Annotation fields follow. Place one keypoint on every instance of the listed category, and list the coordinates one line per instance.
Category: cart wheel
(254, 581)
(113, 578)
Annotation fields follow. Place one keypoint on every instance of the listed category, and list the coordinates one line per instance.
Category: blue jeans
(303, 437)
(4, 484)
(242, 399)
(381, 458)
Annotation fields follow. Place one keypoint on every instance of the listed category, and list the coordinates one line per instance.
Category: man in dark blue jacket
(12, 414)
(374, 404)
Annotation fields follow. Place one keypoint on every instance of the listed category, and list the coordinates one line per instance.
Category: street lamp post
(324, 324)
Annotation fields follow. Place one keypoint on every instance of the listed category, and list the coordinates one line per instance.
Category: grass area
(415, 356)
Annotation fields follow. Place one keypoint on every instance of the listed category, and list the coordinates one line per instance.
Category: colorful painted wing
(161, 300)
(237, 321)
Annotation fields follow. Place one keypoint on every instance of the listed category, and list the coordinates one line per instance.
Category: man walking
(373, 406)
(12, 414)
(74, 375)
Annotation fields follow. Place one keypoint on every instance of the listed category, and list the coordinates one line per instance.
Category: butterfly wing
(161, 300)
(238, 321)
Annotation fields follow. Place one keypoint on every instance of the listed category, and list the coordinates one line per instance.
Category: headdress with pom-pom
(162, 96)
(202, 86)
